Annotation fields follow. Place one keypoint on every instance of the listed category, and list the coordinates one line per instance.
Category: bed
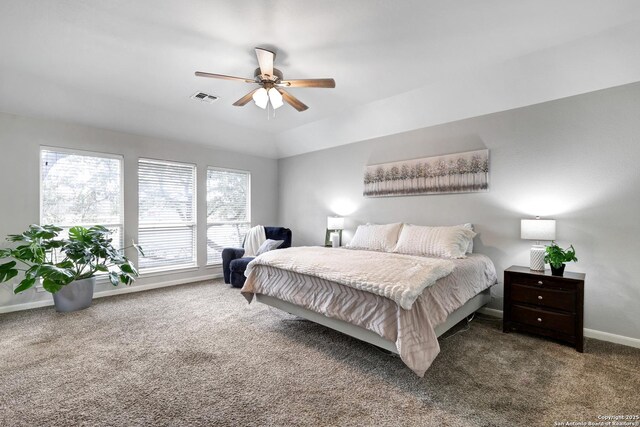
(410, 331)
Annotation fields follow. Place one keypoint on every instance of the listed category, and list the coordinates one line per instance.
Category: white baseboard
(606, 336)
(165, 284)
(25, 306)
(110, 292)
(589, 333)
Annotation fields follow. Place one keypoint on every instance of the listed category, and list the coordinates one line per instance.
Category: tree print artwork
(451, 173)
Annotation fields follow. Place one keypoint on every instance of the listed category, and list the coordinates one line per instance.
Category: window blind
(166, 214)
(81, 188)
(228, 210)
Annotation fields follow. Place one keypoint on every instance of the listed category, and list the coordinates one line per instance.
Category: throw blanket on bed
(401, 278)
(255, 237)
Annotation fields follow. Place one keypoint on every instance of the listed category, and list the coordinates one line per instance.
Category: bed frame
(358, 332)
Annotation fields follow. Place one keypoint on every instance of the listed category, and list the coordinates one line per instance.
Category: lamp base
(335, 240)
(328, 242)
(537, 258)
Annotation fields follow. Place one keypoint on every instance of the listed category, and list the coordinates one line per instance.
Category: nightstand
(539, 303)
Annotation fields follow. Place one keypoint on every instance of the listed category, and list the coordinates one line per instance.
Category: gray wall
(20, 141)
(576, 160)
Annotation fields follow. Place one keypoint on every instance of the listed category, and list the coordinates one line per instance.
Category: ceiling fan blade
(326, 83)
(245, 99)
(292, 100)
(222, 76)
(265, 60)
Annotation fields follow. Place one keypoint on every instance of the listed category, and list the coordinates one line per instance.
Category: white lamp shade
(261, 98)
(335, 223)
(538, 229)
(276, 98)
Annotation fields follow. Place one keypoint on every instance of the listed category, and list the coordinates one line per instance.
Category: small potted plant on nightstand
(66, 267)
(557, 257)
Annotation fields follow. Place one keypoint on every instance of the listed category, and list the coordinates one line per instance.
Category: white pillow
(445, 242)
(269, 245)
(469, 227)
(376, 237)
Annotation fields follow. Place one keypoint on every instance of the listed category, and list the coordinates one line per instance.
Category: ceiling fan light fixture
(261, 98)
(276, 98)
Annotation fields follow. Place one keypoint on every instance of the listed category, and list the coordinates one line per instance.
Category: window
(228, 210)
(80, 188)
(166, 214)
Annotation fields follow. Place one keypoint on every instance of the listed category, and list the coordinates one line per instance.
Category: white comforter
(413, 331)
(401, 278)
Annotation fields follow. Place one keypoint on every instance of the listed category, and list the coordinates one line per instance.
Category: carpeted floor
(199, 355)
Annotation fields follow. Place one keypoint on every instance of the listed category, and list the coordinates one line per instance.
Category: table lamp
(537, 229)
(335, 224)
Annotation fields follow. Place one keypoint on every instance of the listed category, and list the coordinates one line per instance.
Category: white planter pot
(75, 296)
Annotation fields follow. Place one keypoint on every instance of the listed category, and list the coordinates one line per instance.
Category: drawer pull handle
(539, 319)
(539, 282)
(539, 296)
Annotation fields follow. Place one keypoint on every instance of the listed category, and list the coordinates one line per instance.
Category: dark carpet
(199, 355)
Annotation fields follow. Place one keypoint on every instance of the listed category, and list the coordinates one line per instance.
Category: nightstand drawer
(543, 282)
(543, 297)
(564, 323)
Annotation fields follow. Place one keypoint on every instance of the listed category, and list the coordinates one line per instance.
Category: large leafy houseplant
(41, 254)
(557, 257)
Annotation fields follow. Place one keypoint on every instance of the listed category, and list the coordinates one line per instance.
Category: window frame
(248, 201)
(86, 153)
(100, 277)
(151, 271)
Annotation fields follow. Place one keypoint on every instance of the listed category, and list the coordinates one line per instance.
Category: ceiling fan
(271, 84)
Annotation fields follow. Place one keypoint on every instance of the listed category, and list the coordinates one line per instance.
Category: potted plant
(557, 257)
(66, 267)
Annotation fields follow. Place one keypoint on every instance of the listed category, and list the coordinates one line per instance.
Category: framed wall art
(451, 173)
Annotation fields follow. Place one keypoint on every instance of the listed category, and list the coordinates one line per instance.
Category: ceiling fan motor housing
(277, 75)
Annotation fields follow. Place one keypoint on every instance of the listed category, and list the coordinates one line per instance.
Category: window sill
(104, 279)
(159, 271)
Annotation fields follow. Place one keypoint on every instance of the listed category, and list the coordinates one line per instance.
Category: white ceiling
(128, 65)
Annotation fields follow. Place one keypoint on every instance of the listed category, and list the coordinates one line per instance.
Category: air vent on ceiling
(201, 96)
